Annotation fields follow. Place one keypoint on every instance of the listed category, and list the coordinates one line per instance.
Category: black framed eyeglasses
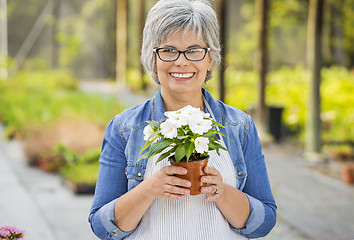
(172, 54)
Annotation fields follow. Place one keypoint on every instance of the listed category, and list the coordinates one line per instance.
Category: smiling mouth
(182, 75)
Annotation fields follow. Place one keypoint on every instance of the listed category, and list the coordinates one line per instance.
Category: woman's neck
(178, 101)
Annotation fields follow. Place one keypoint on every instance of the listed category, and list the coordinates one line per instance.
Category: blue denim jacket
(119, 172)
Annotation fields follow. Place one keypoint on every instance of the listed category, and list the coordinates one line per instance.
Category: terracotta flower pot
(347, 170)
(194, 173)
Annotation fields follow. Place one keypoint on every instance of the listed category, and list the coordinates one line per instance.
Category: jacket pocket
(241, 174)
(135, 175)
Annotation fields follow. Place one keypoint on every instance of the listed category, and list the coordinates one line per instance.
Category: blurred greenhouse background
(56, 46)
(68, 67)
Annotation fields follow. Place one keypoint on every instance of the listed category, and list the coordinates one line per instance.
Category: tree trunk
(112, 41)
(314, 61)
(121, 41)
(55, 30)
(351, 60)
(141, 23)
(221, 12)
(262, 11)
(3, 39)
(336, 34)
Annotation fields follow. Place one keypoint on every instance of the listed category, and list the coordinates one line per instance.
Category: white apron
(192, 217)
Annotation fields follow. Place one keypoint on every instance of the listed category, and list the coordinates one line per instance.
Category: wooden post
(314, 61)
(55, 29)
(112, 39)
(262, 9)
(336, 33)
(121, 41)
(141, 23)
(3, 39)
(221, 13)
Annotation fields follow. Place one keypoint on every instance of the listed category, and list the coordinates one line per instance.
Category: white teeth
(179, 75)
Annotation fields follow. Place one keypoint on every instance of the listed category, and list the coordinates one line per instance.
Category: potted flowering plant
(11, 232)
(185, 137)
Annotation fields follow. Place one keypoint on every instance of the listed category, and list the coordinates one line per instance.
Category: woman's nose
(181, 60)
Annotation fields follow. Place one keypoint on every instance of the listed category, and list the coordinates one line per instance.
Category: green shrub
(81, 168)
(37, 98)
(288, 87)
(81, 173)
(134, 80)
(338, 104)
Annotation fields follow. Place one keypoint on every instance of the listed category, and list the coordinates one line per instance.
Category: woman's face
(183, 77)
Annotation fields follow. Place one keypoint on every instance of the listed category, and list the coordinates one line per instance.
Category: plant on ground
(11, 233)
(288, 88)
(38, 98)
(80, 168)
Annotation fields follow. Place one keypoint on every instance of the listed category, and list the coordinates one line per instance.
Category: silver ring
(216, 190)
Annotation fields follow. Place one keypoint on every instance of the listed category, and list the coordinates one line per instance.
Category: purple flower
(11, 233)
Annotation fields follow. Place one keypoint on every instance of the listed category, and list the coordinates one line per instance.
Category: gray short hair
(167, 17)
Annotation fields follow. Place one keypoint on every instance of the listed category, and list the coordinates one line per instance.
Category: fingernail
(188, 184)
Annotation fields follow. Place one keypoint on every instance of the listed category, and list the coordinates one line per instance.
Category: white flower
(200, 126)
(192, 115)
(169, 129)
(191, 112)
(201, 144)
(206, 115)
(177, 117)
(171, 114)
(148, 131)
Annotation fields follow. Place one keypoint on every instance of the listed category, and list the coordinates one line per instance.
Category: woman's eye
(168, 50)
(194, 50)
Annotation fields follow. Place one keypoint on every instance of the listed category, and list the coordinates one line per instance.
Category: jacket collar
(213, 103)
(158, 109)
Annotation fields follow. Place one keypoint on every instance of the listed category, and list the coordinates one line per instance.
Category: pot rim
(172, 159)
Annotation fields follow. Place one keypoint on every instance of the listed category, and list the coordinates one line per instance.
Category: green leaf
(145, 155)
(226, 137)
(221, 133)
(164, 155)
(182, 137)
(159, 146)
(189, 149)
(180, 152)
(153, 135)
(215, 123)
(211, 134)
(155, 124)
(146, 145)
(150, 141)
(214, 145)
(185, 130)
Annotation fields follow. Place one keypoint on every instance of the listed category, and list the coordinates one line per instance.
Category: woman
(146, 201)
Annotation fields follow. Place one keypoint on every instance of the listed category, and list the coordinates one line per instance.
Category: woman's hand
(164, 184)
(131, 206)
(214, 184)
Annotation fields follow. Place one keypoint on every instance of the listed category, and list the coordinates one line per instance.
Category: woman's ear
(210, 63)
(155, 63)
